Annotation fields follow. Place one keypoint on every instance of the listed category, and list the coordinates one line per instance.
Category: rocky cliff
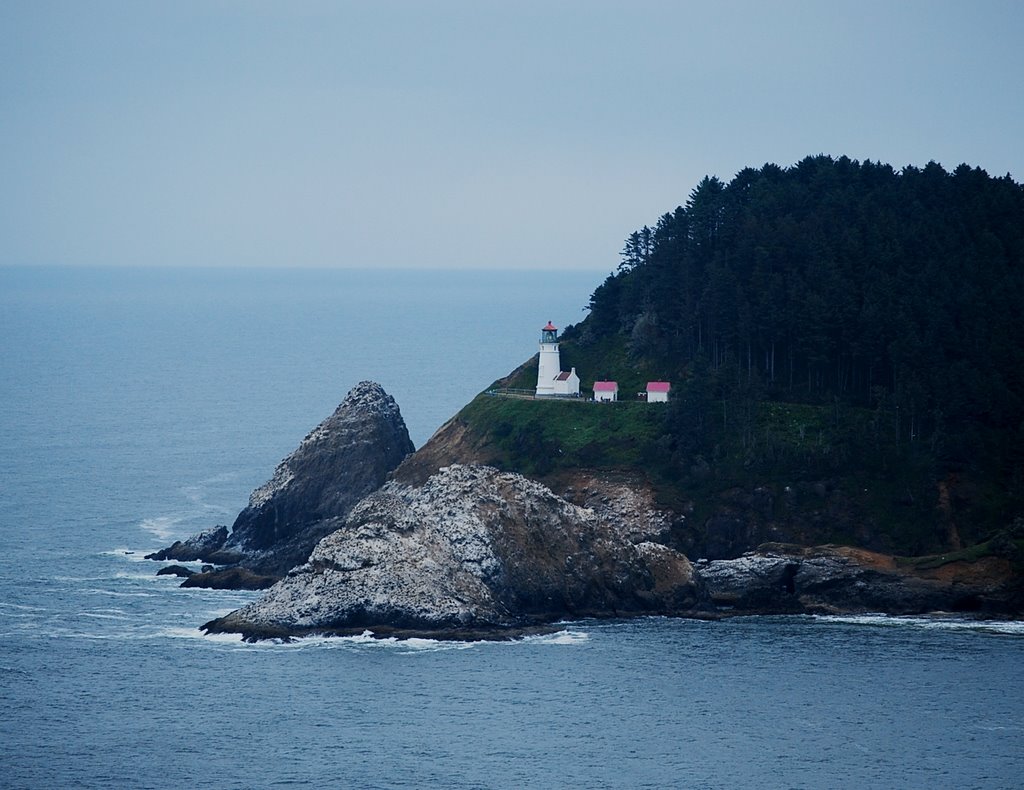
(343, 459)
(472, 551)
(457, 548)
(478, 553)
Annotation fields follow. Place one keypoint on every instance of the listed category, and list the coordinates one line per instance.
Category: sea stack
(344, 458)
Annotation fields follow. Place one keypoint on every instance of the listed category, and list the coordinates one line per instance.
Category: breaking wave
(931, 623)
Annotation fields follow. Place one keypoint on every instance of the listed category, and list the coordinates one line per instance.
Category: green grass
(932, 561)
(889, 487)
(543, 436)
(524, 377)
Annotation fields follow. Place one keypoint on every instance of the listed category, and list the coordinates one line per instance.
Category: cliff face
(471, 550)
(456, 548)
(478, 553)
(343, 459)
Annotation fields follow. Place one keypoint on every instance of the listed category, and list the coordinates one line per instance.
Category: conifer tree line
(838, 281)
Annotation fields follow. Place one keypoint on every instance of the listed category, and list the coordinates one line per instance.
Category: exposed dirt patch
(452, 443)
(987, 570)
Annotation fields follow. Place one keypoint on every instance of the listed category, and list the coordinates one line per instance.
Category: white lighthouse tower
(548, 364)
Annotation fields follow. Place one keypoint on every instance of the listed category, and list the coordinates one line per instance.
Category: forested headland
(836, 324)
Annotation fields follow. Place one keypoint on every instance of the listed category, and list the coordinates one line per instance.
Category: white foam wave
(19, 615)
(127, 553)
(103, 616)
(92, 637)
(360, 642)
(109, 577)
(560, 638)
(417, 645)
(163, 527)
(22, 607)
(118, 594)
(934, 623)
(193, 632)
(424, 645)
(138, 577)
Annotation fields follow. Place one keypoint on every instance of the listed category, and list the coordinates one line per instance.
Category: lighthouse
(548, 363)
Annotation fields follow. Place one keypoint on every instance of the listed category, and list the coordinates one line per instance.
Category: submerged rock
(235, 578)
(176, 570)
(473, 549)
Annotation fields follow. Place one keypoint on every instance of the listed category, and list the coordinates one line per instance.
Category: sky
(471, 134)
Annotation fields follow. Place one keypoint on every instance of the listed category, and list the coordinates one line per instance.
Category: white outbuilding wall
(657, 391)
(567, 384)
(607, 391)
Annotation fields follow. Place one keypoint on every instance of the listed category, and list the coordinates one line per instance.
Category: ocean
(138, 406)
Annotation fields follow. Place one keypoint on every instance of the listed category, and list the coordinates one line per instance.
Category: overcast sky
(461, 134)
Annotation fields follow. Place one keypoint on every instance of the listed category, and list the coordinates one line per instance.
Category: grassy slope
(538, 437)
(830, 474)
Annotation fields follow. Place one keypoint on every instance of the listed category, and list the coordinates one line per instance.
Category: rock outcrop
(472, 551)
(197, 547)
(176, 570)
(779, 579)
(344, 458)
(233, 578)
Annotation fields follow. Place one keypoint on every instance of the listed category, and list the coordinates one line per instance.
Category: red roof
(550, 328)
(563, 376)
(658, 386)
(606, 386)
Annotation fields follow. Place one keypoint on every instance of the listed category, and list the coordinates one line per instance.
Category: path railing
(509, 392)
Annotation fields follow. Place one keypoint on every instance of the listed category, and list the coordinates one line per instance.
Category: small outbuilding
(567, 384)
(657, 391)
(606, 391)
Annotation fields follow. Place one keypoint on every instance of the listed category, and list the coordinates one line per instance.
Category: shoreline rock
(326, 598)
(789, 579)
(473, 549)
(193, 549)
(233, 578)
(176, 570)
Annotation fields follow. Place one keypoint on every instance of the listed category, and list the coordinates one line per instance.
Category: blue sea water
(139, 406)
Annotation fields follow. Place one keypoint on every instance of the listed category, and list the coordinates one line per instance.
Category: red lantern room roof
(550, 328)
